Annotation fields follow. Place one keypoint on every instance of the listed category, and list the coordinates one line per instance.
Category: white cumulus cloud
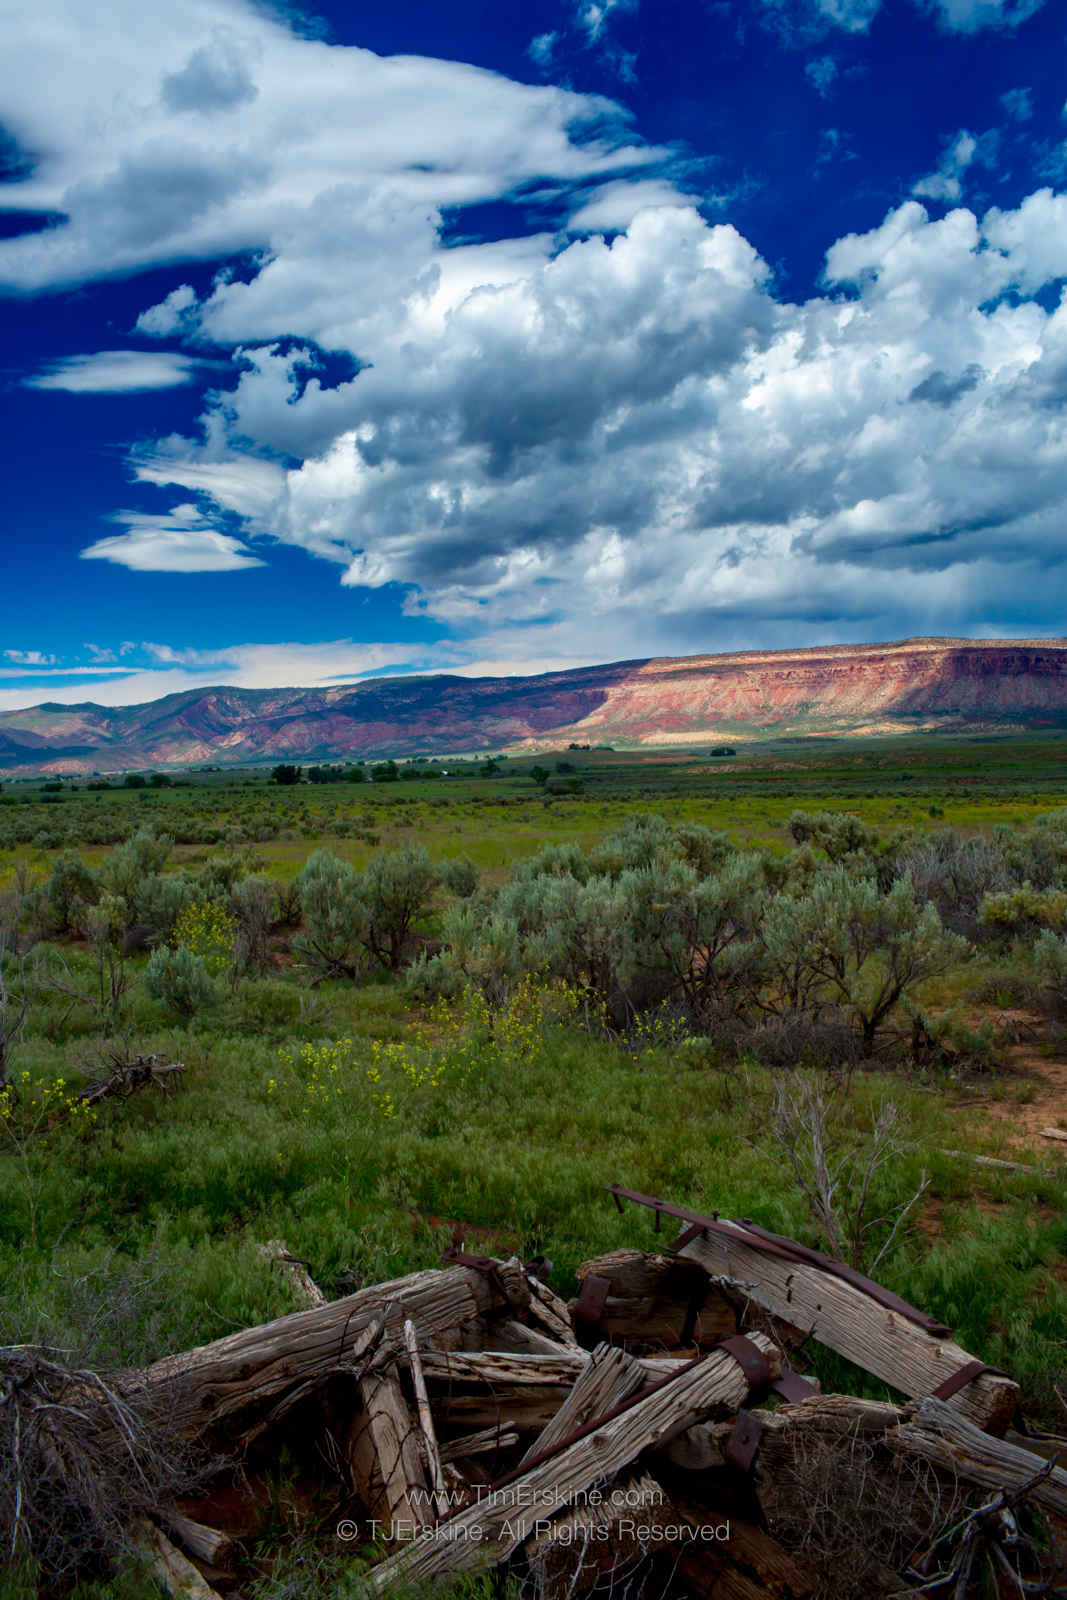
(615, 439)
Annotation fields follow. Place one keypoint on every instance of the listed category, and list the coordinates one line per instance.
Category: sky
(507, 338)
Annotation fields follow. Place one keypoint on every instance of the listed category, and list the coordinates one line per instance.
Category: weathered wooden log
(654, 1301)
(790, 1433)
(174, 1571)
(742, 1562)
(429, 1434)
(507, 1334)
(996, 1161)
(608, 1377)
(1049, 1446)
(488, 1532)
(306, 1291)
(603, 1543)
(851, 1321)
(552, 1314)
(487, 1388)
(941, 1436)
(383, 1455)
(506, 1369)
(487, 1441)
(207, 1545)
(252, 1368)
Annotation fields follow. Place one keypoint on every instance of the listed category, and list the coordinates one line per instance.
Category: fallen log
(551, 1313)
(174, 1571)
(130, 1076)
(506, 1369)
(489, 1531)
(207, 1545)
(487, 1388)
(786, 1435)
(850, 1319)
(487, 1441)
(520, 1340)
(937, 1433)
(996, 1161)
(651, 1301)
(216, 1382)
(608, 1377)
(383, 1455)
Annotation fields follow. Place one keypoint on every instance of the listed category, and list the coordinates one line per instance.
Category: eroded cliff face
(947, 683)
(837, 687)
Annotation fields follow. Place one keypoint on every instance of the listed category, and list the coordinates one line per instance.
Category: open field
(361, 1121)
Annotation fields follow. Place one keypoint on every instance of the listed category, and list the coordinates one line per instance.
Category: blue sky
(481, 338)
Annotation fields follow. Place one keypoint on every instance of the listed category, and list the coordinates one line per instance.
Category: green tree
(70, 889)
(333, 940)
(856, 948)
(180, 980)
(396, 888)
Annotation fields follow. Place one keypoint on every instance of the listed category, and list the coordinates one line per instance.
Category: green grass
(522, 1141)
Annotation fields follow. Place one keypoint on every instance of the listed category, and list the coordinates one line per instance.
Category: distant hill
(947, 684)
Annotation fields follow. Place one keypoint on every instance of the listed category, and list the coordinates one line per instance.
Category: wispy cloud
(540, 49)
(587, 25)
(29, 658)
(946, 182)
(117, 372)
(180, 540)
(972, 16)
(1018, 104)
(823, 73)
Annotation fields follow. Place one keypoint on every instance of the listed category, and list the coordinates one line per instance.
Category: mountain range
(915, 684)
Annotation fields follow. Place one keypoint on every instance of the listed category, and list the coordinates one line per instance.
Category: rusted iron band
(749, 1358)
(959, 1380)
(588, 1309)
(792, 1386)
(740, 1448)
(489, 1267)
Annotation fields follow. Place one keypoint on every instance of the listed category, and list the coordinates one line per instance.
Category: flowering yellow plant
(207, 929)
(33, 1106)
(459, 1041)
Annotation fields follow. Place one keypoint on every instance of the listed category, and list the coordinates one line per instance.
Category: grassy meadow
(361, 1121)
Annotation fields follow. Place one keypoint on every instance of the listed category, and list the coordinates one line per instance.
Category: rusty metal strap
(691, 1233)
(489, 1267)
(740, 1448)
(960, 1379)
(793, 1387)
(773, 1244)
(592, 1298)
(749, 1358)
